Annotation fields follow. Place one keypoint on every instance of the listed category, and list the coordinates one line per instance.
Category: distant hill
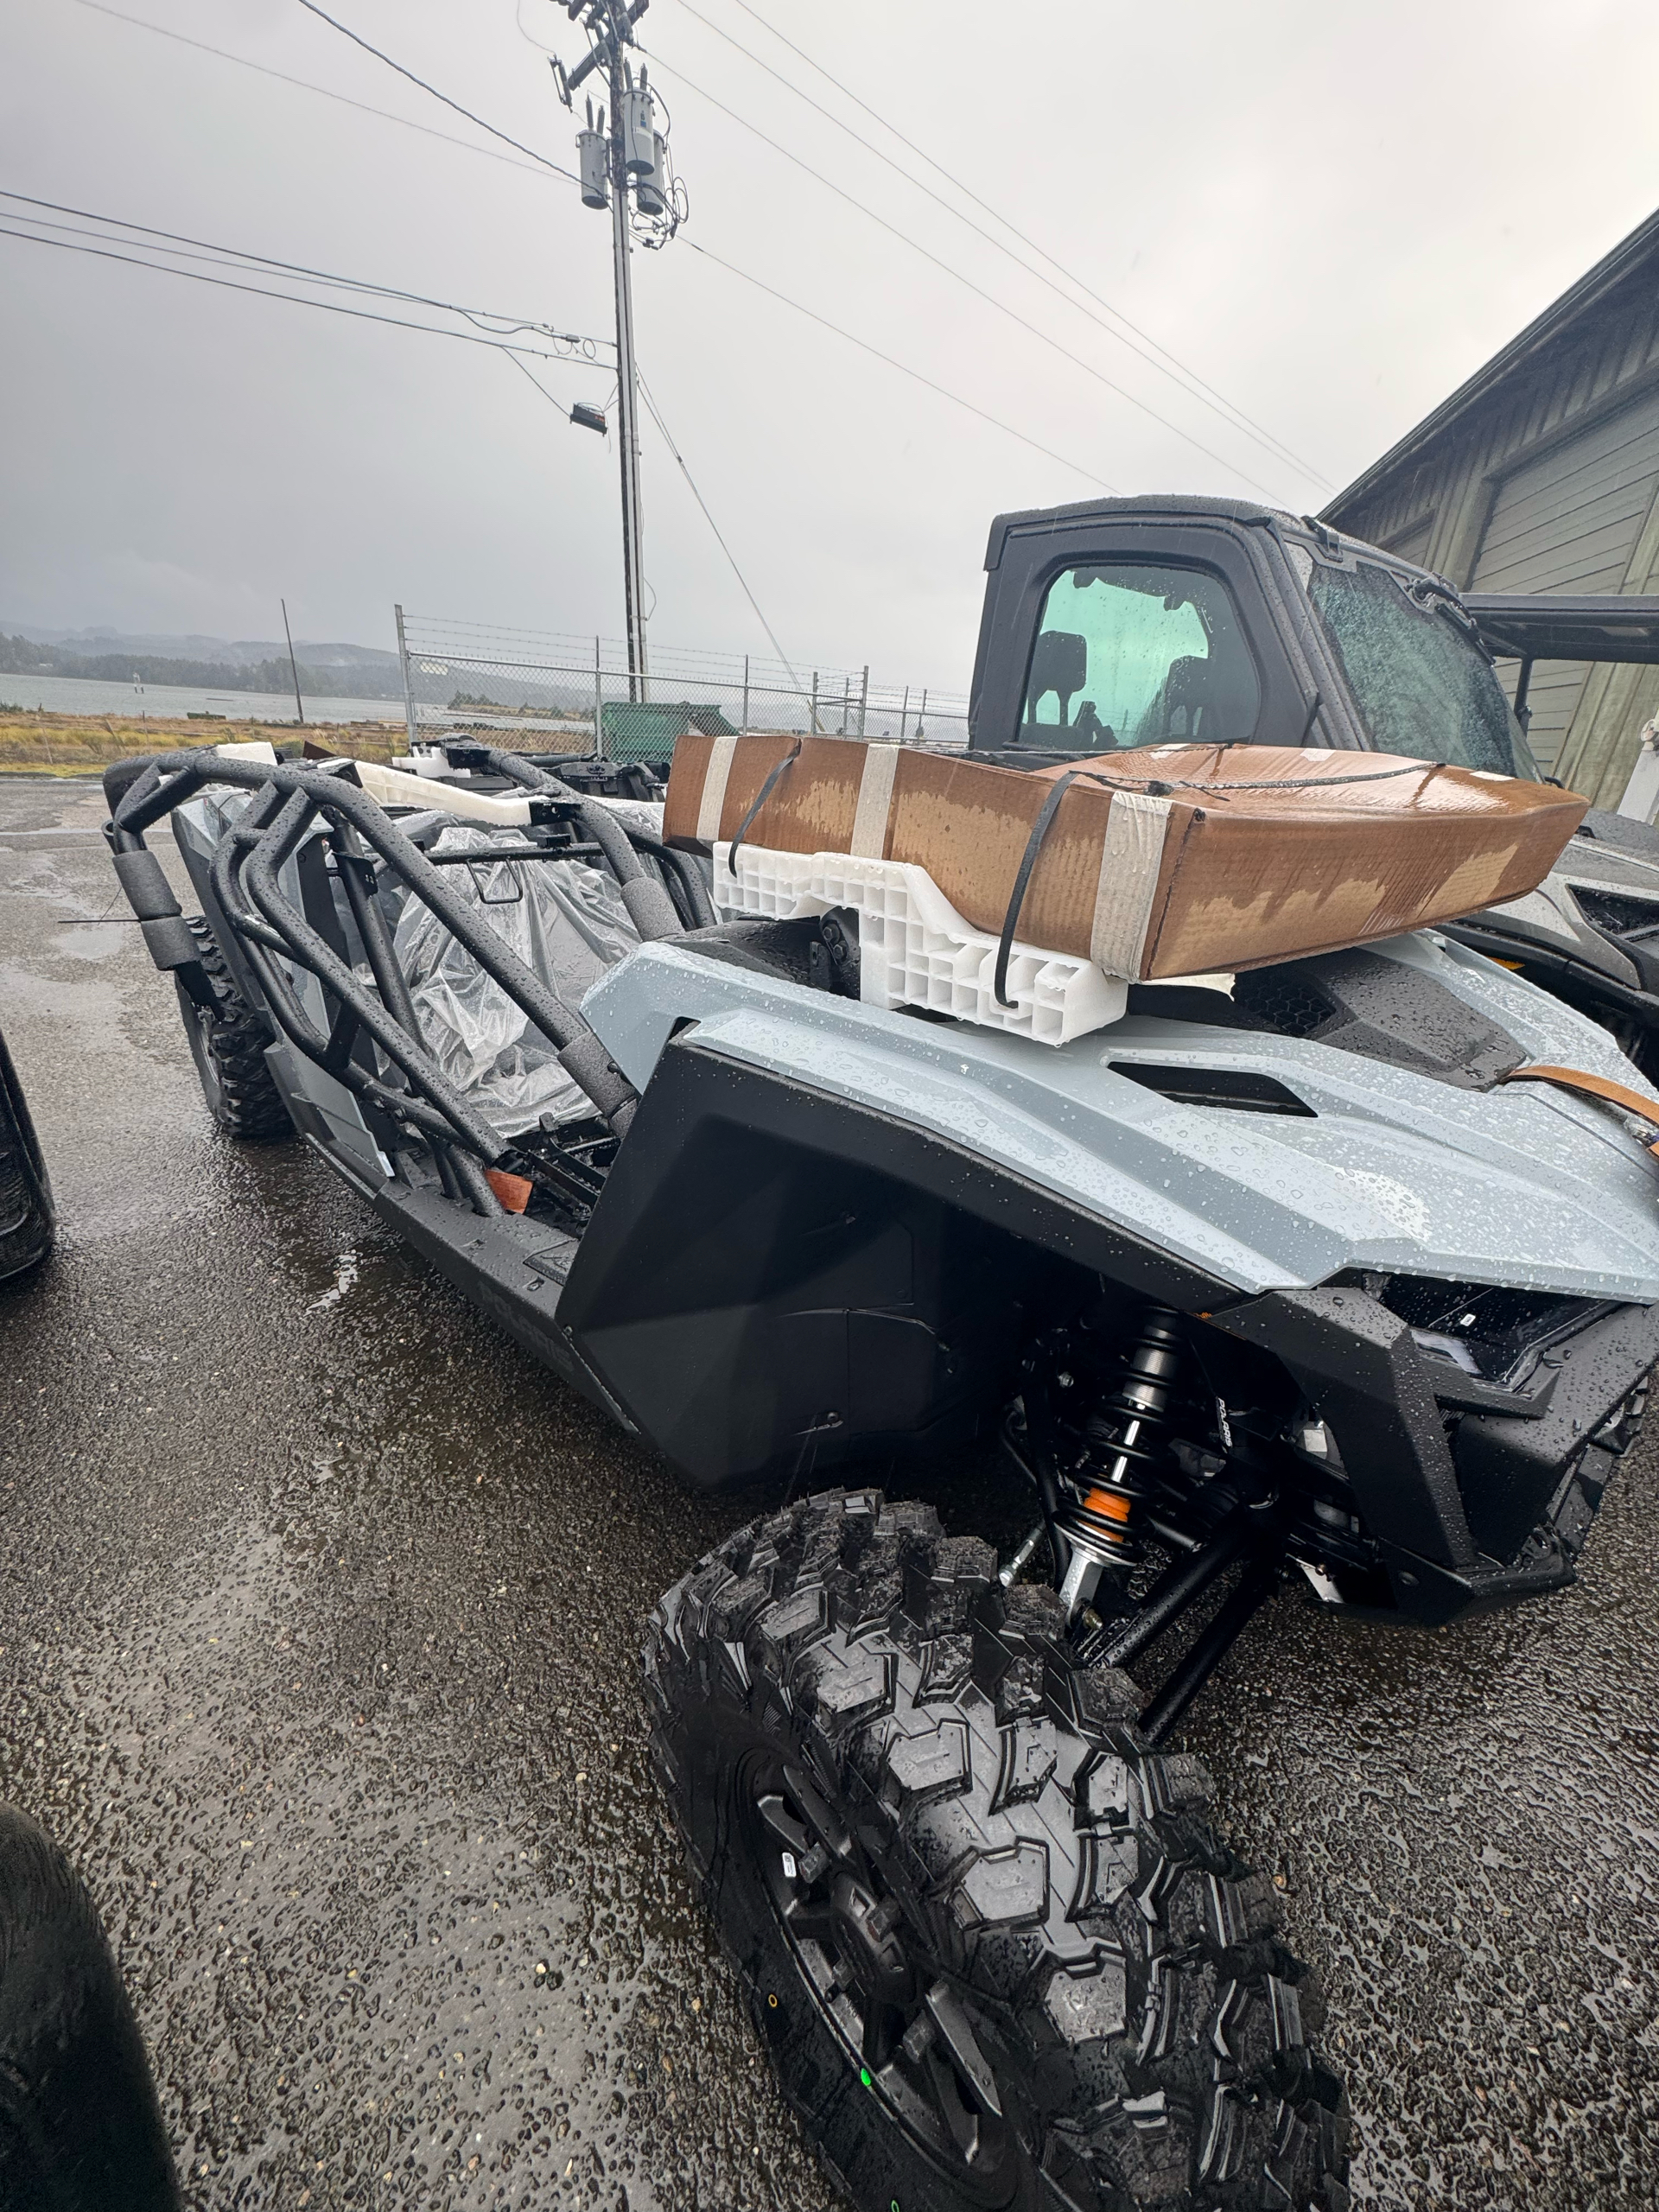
(95, 644)
(332, 671)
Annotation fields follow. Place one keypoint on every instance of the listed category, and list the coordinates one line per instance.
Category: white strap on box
(709, 807)
(1136, 825)
(875, 802)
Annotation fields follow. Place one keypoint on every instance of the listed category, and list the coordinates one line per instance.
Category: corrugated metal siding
(1412, 544)
(1618, 346)
(1569, 522)
(1494, 500)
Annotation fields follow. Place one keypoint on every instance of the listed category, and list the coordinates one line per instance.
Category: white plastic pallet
(915, 949)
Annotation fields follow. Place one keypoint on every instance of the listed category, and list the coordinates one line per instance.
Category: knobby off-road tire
(996, 1953)
(27, 1219)
(227, 1043)
(80, 2129)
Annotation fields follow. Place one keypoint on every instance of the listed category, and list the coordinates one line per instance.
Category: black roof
(1152, 503)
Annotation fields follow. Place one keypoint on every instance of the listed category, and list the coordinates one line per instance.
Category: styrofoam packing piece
(915, 949)
(392, 788)
(633, 813)
(426, 760)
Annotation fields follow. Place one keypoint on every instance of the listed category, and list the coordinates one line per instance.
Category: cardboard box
(1166, 861)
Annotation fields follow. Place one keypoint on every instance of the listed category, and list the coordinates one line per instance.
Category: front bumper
(1471, 1495)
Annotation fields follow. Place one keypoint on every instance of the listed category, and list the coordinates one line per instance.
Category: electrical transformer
(595, 184)
(639, 130)
(650, 190)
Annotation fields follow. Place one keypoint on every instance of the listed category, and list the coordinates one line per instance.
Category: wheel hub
(868, 1942)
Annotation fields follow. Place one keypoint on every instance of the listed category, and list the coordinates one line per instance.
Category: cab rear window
(1139, 655)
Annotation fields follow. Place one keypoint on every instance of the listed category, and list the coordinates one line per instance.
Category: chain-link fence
(467, 676)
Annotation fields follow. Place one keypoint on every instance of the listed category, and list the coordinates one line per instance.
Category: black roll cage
(289, 799)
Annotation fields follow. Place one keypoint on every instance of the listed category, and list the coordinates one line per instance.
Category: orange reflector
(513, 1190)
(1110, 1504)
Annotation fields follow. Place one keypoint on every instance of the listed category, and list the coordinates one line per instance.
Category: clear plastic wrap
(563, 920)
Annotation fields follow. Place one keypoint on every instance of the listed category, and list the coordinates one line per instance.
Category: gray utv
(1278, 1281)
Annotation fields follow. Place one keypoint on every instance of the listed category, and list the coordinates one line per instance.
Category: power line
(1207, 389)
(539, 164)
(240, 257)
(539, 385)
(551, 398)
(979, 291)
(105, 251)
(1186, 381)
(668, 440)
(323, 16)
(864, 346)
(446, 138)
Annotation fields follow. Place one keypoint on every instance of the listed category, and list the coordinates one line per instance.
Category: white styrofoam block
(428, 767)
(915, 949)
(391, 787)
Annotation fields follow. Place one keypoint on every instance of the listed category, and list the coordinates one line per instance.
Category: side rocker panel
(776, 1282)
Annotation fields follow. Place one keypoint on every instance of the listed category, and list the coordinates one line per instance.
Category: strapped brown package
(1166, 861)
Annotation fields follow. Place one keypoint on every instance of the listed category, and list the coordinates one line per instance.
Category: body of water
(72, 695)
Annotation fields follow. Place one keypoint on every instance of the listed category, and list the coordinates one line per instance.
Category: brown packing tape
(513, 1190)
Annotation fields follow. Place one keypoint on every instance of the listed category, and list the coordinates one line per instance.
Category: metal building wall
(1550, 482)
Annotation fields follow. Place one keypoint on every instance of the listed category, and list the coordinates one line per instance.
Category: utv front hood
(1600, 884)
(1521, 1185)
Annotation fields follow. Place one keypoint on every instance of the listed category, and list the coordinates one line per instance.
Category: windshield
(1130, 654)
(1423, 687)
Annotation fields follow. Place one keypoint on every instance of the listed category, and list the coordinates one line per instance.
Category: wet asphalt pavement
(320, 1608)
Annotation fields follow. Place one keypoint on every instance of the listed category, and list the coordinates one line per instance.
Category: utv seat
(1205, 701)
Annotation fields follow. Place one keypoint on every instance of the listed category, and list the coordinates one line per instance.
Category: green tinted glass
(1131, 655)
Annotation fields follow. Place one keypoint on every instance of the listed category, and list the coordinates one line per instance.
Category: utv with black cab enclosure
(1129, 622)
(1273, 1272)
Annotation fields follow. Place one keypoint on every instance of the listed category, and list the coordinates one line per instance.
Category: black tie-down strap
(1040, 828)
(760, 799)
(1028, 861)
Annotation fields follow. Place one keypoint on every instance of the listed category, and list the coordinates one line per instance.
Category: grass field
(81, 745)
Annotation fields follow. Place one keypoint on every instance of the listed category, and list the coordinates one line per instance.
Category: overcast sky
(1331, 214)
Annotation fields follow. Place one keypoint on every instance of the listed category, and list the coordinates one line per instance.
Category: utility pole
(408, 687)
(627, 390)
(293, 666)
(622, 153)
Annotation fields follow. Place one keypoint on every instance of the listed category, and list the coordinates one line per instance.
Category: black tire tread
(27, 1216)
(81, 2129)
(1038, 1843)
(249, 1104)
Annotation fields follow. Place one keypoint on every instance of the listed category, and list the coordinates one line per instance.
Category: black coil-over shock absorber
(1102, 1499)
